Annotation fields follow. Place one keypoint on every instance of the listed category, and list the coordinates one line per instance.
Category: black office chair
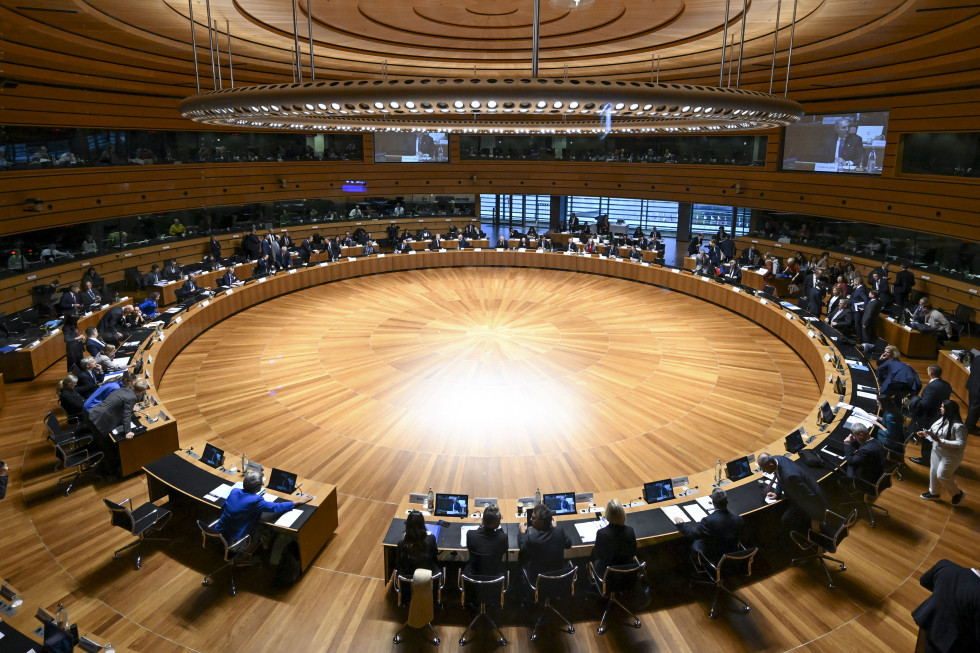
(403, 586)
(483, 590)
(818, 545)
(715, 573)
(552, 585)
(148, 518)
(871, 491)
(235, 554)
(614, 582)
(81, 460)
(56, 433)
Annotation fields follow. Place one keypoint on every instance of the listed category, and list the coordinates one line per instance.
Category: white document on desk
(222, 491)
(867, 395)
(463, 533)
(287, 519)
(706, 503)
(675, 512)
(695, 511)
(587, 530)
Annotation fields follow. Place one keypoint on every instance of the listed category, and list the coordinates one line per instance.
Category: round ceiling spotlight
(279, 106)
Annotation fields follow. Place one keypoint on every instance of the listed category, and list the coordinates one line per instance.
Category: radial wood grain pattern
(489, 381)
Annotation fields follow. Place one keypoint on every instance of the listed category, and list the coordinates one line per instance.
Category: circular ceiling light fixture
(640, 107)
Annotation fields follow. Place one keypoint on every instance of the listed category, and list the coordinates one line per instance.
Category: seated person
(487, 546)
(932, 320)
(105, 359)
(229, 278)
(132, 318)
(542, 546)
(150, 304)
(190, 286)
(402, 247)
(107, 389)
(615, 544)
(207, 263)
(436, 243)
(417, 549)
(93, 344)
(864, 455)
(462, 243)
(470, 231)
(70, 400)
(172, 271)
(532, 233)
(89, 246)
(612, 250)
(842, 317)
(347, 240)
(635, 254)
(50, 253)
(572, 246)
(89, 376)
(502, 243)
(154, 276)
(90, 298)
(244, 507)
(523, 243)
(545, 243)
(716, 534)
(369, 248)
(734, 273)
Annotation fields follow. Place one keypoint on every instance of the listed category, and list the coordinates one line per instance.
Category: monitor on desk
(658, 491)
(281, 481)
(452, 505)
(826, 413)
(794, 441)
(213, 456)
(57, 639)
(738, 469)
(561, 503)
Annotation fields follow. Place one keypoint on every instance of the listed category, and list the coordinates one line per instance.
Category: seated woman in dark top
(417, 547)
(616, 543)
(71, 401)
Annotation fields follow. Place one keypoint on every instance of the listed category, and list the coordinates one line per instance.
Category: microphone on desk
(297, 489)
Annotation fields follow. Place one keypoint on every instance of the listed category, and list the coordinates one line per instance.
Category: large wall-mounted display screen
(411, 147)
(850, 143)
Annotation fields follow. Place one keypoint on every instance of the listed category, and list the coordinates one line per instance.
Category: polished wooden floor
(389, 384)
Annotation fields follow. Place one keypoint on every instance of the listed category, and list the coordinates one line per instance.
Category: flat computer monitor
(212, 456)
(658, 491)
(826, 413)
(281, 481)
(57, 639)
(452, 505)
(794, 441)
(738, 469)
(561, 503)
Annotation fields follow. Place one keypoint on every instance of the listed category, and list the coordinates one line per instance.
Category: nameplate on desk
(675, 270)
(477, 249)
(645, 264)
(166, 247)
(763, 301)
(351, 259)
(735, 288)
(34, 344)
(87, 313)
(811, 334)
(906, 327)
(704, 278)
(229, 291)
(205, 303)
(847, 258)
(323, 264)
(260, 280)
(177, 320)
(103, 307)
(973, 290)
(293, 271)
(789, 316)
(441, 250)
(756, 242)
(777, 244)
(412, 251)
(499, 249)
(567, 253)
(539, 251)
(382, 255)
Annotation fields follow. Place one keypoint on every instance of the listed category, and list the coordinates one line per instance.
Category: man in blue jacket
(244, 507)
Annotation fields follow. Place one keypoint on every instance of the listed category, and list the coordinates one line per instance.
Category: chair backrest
(621, 578)
(964, 313)
(737, 562)
(52, 423)
(556, 584)
(839, 525)
(120, 515)
(61, 454)
(210, 536)
(483, 591)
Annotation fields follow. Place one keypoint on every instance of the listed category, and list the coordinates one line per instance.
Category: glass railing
(951, 154)
(727, 150)
(26, 148)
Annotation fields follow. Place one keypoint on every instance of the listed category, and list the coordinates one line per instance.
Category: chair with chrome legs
(148, 518)
(870, 492)
(615, 581)
(715, 573)
(421, 610)
(818, 545)
(235, 553)
(81, 460)
(483, 590)
(549, 586)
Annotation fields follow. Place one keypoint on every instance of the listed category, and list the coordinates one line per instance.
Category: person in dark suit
(154, 276)
(89, 376)
(865, 456)
(502, 243)
(615, 544)
(215, 248)
(571, 246)
(306, 250)
(815, 296)
(262, 267)
(402, 247)
(925, 411)
(172, 272)
(335, 250)
(734, 274)
(70, 300)
(117, 409)
(436, 244)
(244, 507)
(635, 254)
(90, 298)
(487, 546)
(229, 278)
(573, 224)
(417, 549)
(251, 245)
(904, 283)
(542, 546)
(285, 260)
(715, 535)
(69, 398)
(369, 249)
(844, 148)
(93, 344)
(880, 283)
(190, 286)
(207, 264)
(869, 317)
(842, 317)
(807, 501)
(948, 620)
(463, 243)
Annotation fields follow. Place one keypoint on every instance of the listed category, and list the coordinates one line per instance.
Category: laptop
(452, 505)
(281, 481)
(561, 503)
(738, 469)
(658, 491)
(212, 456)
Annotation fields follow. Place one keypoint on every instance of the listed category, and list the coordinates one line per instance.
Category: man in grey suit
(807, 501)
(114, 412)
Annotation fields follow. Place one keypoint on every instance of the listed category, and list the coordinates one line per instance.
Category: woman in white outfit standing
(948, 434)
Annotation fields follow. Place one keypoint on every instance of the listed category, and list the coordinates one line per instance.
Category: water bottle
(244, 463)
(872, 159)
(61, 616)
(718, 471)
(430, 500)
(537, 497)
